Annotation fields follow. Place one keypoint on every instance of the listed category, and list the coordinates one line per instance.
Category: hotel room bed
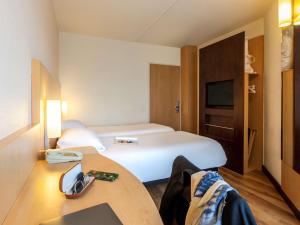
(151, 158)
(133, 129)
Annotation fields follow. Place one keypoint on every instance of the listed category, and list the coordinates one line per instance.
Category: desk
(41, 199)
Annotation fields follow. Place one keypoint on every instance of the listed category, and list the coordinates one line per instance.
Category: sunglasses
(81, 182)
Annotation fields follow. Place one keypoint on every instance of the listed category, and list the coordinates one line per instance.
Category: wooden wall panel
(297, 97)
(45, 86)
(18, 151)
(288, 117)
(290, 166)
(218, 62)
(189, 89)
(290, 182)
(246, 124)
(18, 154)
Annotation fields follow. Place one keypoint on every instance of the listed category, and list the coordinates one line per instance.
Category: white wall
(272, 90)
(107, 81)
(27, 30)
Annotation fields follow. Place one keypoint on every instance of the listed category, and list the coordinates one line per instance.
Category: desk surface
(41, 199)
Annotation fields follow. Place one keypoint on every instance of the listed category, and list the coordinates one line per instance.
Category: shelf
(252, 74)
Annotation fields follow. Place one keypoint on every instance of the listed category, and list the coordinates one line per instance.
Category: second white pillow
(79, 137)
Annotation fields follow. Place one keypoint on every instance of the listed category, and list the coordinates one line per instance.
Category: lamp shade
(285, 12)
(296, 12)
(53, 118)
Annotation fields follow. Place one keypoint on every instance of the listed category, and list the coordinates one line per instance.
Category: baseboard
(166, 180)
(155, 182)
(281, 192)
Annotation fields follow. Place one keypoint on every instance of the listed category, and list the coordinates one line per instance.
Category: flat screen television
(219, 94)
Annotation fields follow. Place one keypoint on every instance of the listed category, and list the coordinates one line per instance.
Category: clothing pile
(195, 197)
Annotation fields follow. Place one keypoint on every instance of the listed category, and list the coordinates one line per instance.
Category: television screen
(219, 93)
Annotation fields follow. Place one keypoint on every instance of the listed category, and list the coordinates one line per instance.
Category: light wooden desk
(41, 199)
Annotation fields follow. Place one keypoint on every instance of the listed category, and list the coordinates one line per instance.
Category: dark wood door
(165, 95)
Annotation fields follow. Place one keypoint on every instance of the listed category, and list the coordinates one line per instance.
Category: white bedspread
(127, 130)
(152, 157)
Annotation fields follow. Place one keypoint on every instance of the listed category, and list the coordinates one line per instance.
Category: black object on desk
(97, 215)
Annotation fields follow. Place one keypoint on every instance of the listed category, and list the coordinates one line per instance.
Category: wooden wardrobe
(239, 128)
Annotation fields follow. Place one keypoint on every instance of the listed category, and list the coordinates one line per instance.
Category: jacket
(176, 199)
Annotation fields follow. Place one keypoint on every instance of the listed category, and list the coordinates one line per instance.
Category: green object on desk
(99, 175)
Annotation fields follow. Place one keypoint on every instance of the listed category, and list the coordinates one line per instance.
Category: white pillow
(67, 124)
(79, 137)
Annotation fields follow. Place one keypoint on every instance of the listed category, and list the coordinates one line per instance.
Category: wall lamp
(53, 118)
(288, 12)
(296, 12)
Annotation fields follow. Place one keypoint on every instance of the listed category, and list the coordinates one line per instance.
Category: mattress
(152, 157)
(129, 130)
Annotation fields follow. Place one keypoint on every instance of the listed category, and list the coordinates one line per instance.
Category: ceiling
(165, 22)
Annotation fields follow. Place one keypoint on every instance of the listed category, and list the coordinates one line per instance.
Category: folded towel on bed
(126, 140)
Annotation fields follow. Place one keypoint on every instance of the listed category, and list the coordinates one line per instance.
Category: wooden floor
(266, 204)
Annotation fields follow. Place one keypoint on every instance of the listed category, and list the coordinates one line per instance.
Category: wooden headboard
(18, 151)
(44, 87)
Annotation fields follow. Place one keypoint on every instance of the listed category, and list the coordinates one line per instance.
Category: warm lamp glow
(53, 118)
(64, 107)
(285, 13)
(296, 12)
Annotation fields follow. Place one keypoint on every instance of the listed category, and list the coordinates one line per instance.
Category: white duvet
(152, 157)
(126, 130)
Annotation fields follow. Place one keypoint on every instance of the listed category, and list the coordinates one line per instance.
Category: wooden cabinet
(239, 128)
(224, 61)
